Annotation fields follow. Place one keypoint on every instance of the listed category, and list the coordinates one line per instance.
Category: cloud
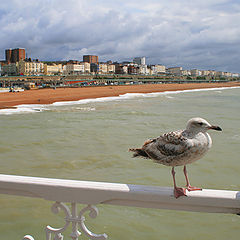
(192, 34)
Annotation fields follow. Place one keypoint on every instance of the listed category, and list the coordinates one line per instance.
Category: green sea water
(89, 140)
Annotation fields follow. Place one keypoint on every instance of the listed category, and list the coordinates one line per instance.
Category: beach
(49, 96)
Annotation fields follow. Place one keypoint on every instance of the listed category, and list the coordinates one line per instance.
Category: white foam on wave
(34, 108)
(101, 99)
(88, 109)
(25, 108)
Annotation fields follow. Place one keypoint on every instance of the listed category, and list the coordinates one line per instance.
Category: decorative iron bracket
(71, 216)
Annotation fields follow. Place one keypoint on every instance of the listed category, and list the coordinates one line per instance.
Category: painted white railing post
(75, 233)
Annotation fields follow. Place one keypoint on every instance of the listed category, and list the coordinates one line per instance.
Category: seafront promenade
(86, 79)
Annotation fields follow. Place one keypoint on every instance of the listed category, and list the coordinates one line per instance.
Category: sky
(202, 34)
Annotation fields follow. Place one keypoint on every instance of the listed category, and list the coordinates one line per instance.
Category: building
(94, 67)
(74, 69)
(8, 55)
(90, 59)
(158, 69)
(212, 73)
(133, 69)
(143, 69)
(86, 67)
(228, 74)
(186, 73)
(196, 72)
(28, 68)
(111, 68)
(10, 69)
(103, 68)
(140, 60)
(54, 69)
(235, 75)
(205, 73)
(121, 69)
(14, 55)
(219, 74)
(175, 70)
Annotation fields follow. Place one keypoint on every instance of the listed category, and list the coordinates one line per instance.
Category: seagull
(179, 148)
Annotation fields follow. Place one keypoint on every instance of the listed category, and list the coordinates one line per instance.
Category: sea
(89, 139)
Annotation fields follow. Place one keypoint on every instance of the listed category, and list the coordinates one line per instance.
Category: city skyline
(203, 35)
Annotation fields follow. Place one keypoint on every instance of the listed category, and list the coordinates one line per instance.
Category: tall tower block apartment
(90, 59)
(14, 55)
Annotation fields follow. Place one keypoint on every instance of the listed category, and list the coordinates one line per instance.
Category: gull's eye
(200, 123)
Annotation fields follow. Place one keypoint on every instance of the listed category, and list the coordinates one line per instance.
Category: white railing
(93, 193)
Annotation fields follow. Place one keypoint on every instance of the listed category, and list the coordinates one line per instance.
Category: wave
(36, 108)
(24, 108)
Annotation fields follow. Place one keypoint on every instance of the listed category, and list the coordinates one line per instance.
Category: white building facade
(30, 68)
(175, 70)
(158, 69)
(55, 69)
(73, 69)
(143, 69)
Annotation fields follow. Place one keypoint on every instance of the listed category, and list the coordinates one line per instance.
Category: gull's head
(200, 125)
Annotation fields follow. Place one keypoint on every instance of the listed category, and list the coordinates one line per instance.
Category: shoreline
(10, 100)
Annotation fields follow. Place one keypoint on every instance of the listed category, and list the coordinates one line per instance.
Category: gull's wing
(168, 144)
(172, 143)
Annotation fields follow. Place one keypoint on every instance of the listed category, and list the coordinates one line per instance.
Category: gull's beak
(217, 128)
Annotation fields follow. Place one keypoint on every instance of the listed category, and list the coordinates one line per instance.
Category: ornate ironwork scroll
(76, 220)
(28, 237)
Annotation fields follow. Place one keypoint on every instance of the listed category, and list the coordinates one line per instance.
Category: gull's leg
(189, 187)
(178, 192)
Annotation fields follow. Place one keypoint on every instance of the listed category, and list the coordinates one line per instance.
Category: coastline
(49, 96)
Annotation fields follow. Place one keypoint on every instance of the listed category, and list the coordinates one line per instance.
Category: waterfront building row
(31, 68)
(16, 64)
(178, 71)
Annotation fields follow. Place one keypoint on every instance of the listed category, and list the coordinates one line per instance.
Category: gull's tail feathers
(138, 152)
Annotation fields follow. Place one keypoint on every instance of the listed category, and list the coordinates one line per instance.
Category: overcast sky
(203, 34)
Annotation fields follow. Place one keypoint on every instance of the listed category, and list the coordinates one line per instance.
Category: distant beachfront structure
(158, 69)
(10, 69)
(105, 68)
(90, 59)
(175, 70)
(53, 69)
(30, 68)
(76, 68)
(139, 60)
(14, 55)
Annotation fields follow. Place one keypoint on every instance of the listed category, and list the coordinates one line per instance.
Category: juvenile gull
(179, 148)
